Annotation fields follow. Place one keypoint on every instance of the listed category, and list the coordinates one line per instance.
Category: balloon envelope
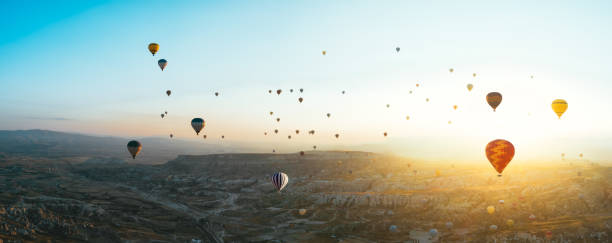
(134, 148)
(499, 153)
(490, 209)
(162, 64)
(153, 48)
(302, 211)
(494, 99)
(197, 124)
(470, 87)
(559, 106)
(280, 180)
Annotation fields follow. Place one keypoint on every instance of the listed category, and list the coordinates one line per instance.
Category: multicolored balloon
(153, 48)
(197, 124)
(162, 64)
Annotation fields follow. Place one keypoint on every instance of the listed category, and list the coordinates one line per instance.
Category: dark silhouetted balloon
(134, 148)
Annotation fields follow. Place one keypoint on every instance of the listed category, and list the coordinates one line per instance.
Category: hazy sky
(83, 66)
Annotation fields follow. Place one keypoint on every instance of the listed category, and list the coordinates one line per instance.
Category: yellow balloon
(153, 48)
(470, 86)
(510, 222)
(490, 209)
(559, 106)
(437, 173)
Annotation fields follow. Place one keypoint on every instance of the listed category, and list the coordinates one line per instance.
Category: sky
(83, 66)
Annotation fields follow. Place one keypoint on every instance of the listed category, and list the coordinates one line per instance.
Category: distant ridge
(52, 144)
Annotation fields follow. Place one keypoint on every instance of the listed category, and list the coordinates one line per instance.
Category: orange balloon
(500, 153)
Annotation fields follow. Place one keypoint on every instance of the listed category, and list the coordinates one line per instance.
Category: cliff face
(351, 196)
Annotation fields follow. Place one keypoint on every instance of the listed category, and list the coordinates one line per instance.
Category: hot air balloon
(455, 107)
(397, 49)
(222, 136)
(314, 147)
(277, 119)
(385, 134)
(410, 92)
(490, 209)
(324, 52)
(162, 64)
(494, 99)
(301, 153)
(270, 91)
(275, 130)
(470, 87)
(273, 150)
(166, 112)
(499, 153)
(581, 155)
(153, 48)
(204, 136)
(427, 100)
(559, 106)
(271, 113)
(493, 227)
(532, 76)
(197, 124)
(162, 115)
(451, 70)
(433, 233)
(297, 131)
(280, 180)
(417, 85)
(168, 92)
(278, 91)
(290, 90)
(328, 115)
(393, 228)
(265, 133)
(216, 93)
(474, 75)
(134, 148)
(300, 99)
(289, 137)
(388, 105)
(337, 135)
(450, 122)
(302, 211)
(510, 222)
(171, 135)
(343, 92)
(301, 90)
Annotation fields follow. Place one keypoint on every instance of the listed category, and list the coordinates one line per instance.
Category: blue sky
(83, 66)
